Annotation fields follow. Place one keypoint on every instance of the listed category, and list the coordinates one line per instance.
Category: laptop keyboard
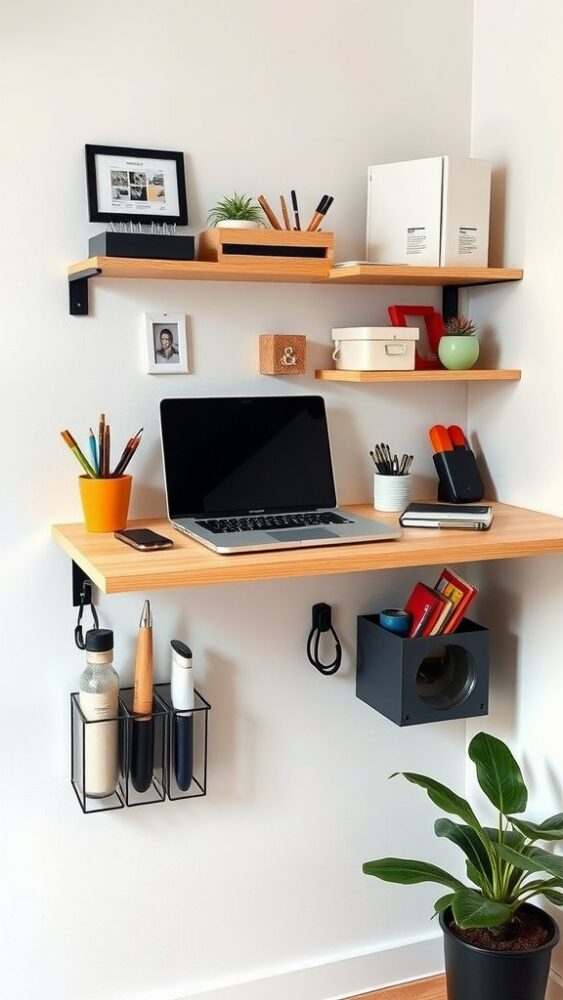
(268, 522)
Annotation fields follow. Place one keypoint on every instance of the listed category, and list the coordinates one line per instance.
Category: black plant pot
(481, 974)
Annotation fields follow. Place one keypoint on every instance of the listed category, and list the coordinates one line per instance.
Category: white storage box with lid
(375, 348)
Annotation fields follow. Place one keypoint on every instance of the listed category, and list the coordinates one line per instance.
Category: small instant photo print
(166, 343)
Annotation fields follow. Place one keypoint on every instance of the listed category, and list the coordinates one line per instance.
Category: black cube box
(142, 246)
(428, 679)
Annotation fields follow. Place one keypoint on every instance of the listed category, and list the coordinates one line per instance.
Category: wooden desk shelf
(439, 375)
(116, 568)
(285, 270)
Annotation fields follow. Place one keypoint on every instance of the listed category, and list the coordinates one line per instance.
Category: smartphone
(143, 539)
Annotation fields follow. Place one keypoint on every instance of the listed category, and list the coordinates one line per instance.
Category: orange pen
(439, 438)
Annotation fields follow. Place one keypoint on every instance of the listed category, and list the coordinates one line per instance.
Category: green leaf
(512, 838)
(498, 773)
(553, 896)
(407, 872)
(518, 859)
(532, 859)
(550, 863)
(444, 798)
(475, 876)
(550, 829)
(471, 909)
(442, 903)
(470, 843)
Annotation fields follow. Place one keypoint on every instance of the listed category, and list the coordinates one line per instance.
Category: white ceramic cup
(391, 493)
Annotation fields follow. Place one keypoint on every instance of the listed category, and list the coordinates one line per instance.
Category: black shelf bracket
(450, 301)
(78, 290)
(82, 587)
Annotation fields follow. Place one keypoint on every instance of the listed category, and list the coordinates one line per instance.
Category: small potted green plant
(236, 211)
(497, 944)
(459, 347)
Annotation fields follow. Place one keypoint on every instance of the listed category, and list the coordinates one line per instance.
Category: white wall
(518, 77)
(265, 873)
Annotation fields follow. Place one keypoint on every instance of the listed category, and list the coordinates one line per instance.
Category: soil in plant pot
(525, 933)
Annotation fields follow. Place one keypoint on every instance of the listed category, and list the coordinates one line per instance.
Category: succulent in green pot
(236, 211)
(497, 944)
(458, 349)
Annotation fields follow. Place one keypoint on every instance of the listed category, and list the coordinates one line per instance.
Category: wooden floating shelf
(297, 271)
(116, 568)
(439, 375)
(395, 274)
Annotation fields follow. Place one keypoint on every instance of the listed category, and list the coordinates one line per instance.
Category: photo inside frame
(166, 343)
(132, 184)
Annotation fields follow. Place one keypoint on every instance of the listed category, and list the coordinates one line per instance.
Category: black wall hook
(85, 598)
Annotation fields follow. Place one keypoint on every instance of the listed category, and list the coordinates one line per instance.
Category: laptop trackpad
(301, 534)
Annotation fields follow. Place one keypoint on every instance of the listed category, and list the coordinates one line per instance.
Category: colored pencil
(94, 451)
(101, 436)
(107, 448)
(128, 453)
(286, 221)
(271, 216)
(69, 440)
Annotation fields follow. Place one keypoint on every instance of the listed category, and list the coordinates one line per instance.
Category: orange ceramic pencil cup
(105, 502)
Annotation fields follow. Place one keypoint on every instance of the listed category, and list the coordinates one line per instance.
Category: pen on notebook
(94, 451)
(284, 212)
(270, 215)
(321, 214)
(295, 211)
(69, 440)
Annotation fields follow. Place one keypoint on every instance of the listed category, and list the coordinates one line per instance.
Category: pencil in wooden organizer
(270, 215)
(285, 212)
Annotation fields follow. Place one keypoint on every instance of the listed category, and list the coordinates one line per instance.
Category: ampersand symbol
(289, 358)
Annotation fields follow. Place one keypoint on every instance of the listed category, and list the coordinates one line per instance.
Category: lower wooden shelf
(437, 375)
(115, 568)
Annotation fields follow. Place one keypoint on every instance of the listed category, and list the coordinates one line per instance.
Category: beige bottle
(98, 699)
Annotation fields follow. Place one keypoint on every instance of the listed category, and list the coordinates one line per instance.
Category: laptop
(251, 473)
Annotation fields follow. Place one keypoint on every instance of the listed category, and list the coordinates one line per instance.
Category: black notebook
(474, 517)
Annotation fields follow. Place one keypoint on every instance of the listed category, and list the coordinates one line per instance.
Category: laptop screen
(234, 455)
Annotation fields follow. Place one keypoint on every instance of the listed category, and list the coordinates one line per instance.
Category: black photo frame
(109, 201)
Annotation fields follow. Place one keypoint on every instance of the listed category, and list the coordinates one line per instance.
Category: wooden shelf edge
(439, 375)
(115, 568)
(309, 271)
(381, 274)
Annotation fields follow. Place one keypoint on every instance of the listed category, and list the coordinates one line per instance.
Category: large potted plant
(497, 944)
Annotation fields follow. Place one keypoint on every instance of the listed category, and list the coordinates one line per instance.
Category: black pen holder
(459, 479)
(427, 679)
(186, 746)
(142, 753)
(94, 771)
(142, 246)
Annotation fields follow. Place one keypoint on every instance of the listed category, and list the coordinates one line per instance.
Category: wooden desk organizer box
(309, 253)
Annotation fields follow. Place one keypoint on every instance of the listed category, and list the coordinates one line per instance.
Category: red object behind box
(425, 606)
(434, 331)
